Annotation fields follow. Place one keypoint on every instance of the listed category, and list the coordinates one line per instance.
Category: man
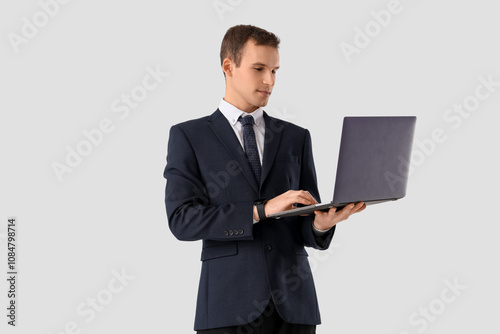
(225, 173)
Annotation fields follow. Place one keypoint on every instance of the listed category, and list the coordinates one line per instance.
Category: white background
(107, 214)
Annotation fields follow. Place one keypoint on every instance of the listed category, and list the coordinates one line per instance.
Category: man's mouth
(264, 92)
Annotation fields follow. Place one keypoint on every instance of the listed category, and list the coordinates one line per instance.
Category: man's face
(250, 85)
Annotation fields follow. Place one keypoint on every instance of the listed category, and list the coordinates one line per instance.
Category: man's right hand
(285, 201)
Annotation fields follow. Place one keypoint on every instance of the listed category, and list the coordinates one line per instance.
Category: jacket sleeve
(191, 215)
(308, 182)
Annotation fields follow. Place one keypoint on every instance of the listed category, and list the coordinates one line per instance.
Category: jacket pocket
(220, 250)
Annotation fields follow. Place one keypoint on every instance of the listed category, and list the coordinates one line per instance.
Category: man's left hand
(326, 220)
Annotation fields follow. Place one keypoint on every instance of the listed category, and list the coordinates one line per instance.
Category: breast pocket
(287, 172)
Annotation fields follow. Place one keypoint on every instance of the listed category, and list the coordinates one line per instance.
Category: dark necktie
(250, 145)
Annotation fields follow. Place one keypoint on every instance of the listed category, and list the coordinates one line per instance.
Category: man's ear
(227, 67)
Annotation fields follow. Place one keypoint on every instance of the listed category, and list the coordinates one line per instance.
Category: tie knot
(247, 120)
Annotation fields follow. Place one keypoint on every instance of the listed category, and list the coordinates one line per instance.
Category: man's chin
(258, 103)
(263, 103)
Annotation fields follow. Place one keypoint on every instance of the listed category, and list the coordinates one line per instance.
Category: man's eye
(258, 68)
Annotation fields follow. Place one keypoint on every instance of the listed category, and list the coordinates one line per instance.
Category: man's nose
(269, 78)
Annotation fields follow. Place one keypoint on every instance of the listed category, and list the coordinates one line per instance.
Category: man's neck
(242, 106)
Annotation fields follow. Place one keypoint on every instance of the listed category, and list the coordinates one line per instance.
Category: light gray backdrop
(89, 90)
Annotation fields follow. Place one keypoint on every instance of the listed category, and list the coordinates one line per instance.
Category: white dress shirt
(232, 114)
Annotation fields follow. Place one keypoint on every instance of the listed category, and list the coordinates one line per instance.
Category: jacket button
(268, 248)
(240, 231)
(226, 233)
(236, 232)
(231, 232)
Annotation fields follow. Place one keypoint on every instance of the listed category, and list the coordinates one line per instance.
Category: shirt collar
(232, 113)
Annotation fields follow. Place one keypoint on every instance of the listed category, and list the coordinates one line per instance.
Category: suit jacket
(209, 196)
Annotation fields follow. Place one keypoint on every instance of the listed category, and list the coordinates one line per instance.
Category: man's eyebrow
(263, 65)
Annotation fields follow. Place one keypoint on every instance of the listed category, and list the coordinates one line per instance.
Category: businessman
(225, 174)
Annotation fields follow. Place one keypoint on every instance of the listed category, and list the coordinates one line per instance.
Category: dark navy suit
(209, 196)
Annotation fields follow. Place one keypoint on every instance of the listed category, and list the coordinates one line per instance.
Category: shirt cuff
(319, 233)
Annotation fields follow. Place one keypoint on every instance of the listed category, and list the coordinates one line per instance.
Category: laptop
(373, 163)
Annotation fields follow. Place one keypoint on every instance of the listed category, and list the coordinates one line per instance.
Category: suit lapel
(274, 130)
(222, 129)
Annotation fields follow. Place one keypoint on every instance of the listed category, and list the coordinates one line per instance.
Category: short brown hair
(236, 37)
